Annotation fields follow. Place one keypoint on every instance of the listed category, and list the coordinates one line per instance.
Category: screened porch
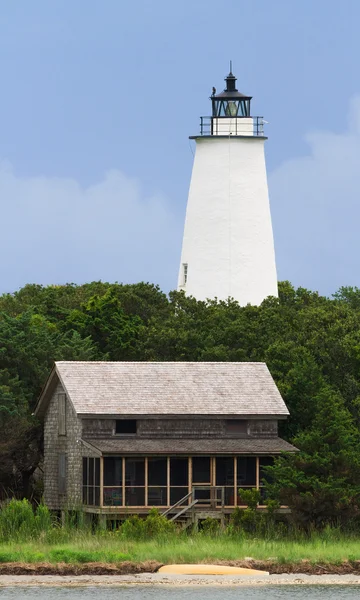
(117, 483)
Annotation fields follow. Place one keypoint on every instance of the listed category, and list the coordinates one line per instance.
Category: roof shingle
(204, 446)
(171, 388)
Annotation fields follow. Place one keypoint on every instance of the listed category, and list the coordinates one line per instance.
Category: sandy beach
(154, 579)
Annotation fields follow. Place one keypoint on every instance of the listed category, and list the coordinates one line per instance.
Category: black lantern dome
(230, 103)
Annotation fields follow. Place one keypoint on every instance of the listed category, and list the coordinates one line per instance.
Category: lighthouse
(228, 245)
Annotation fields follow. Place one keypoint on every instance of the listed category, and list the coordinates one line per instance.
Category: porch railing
(209, 496)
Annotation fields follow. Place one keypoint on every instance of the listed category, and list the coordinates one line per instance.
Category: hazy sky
(98, 98)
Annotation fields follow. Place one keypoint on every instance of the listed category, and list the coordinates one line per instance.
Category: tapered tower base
(228, 247)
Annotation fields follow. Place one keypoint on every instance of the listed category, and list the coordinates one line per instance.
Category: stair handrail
(178, 503)
(184, 510)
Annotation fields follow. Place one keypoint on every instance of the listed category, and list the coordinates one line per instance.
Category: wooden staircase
(189, 509)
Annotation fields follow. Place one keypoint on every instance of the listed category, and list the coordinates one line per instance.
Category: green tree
(321, 483)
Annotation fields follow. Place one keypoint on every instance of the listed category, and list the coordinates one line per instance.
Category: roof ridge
(160, 362)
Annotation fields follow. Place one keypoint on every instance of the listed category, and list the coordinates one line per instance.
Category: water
(283, 592)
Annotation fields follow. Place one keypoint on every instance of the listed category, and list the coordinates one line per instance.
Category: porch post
(101, 481)
(146, 480)
(257, 473)
(123, 480)
(190, 475)
(168, 481)
(235, 481)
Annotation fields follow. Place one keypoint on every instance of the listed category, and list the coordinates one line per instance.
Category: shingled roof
(167, 388)
(187, 446)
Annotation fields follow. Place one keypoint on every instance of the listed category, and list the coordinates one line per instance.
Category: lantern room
(231, 114)
(230, 103)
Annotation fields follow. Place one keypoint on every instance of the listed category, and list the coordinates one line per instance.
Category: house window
(236, 426)
(185, 273)
(62, 414)
(91, 481)
(126, 426)
(62, 473)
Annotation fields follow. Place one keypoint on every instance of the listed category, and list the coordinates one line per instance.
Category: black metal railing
(227, 126)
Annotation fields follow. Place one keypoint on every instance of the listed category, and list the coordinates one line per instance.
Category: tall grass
(34, 536)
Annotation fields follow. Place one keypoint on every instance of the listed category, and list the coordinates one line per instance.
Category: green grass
(198, 548)
(30, 536)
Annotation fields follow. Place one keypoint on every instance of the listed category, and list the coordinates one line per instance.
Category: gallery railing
(223, 126)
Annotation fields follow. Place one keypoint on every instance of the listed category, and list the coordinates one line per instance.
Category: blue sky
(98, 100)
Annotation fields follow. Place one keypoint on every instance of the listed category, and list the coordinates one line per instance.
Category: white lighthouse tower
(228, 246)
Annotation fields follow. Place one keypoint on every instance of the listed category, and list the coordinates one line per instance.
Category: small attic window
(126, 426)
(236, 426)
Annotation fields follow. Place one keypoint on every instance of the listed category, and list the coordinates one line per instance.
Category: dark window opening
(112, 471)
(236, 426)
(179, 472)
(225, 471)
(135, 496)
(157, 496)
(201, 469)
(134, 472)
(126, 426)
(157, 471)
(177, 493)
(246, 471)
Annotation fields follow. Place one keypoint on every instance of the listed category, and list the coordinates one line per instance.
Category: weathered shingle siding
(54, 445)
(263, 428)
(178, 428)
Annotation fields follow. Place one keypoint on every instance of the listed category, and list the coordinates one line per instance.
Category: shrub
(133, 528)
(17, 520)
(211, 526)
(154, 525)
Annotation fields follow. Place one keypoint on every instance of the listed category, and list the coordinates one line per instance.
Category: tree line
(310, 343)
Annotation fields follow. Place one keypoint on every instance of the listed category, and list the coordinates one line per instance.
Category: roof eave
(43, 400)
(265, 416)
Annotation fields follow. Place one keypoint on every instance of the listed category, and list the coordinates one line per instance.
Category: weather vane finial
(231, 66)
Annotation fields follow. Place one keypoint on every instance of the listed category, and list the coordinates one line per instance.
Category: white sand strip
(154, 579)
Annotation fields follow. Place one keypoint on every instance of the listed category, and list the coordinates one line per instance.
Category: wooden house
(122, 437)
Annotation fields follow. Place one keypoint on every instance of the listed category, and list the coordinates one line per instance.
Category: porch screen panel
(91, 494)
(91, 481)
(113, 481)
(264, 461)
(246, 474)
(225, 477)
(157, 482)
(201, 475)
(135, 481)
(179, 479)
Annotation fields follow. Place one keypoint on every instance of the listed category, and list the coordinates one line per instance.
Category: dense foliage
(311, 345)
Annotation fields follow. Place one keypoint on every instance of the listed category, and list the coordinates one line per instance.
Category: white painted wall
(233, 126)
(228, 240)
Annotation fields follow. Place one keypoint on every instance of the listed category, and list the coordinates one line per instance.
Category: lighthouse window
(185, 272)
